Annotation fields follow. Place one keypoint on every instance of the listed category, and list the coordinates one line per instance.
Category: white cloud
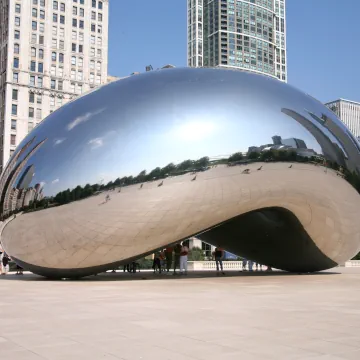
(59, 141)
(96, 143)
(83, 118)
(55, 181)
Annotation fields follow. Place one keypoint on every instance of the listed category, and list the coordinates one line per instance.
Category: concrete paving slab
(200, 316)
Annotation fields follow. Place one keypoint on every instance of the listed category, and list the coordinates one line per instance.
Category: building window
(93, 3)
(17, 34)
(93, 27)
(100, 5)
(54, 30)
(55, 18)
(73, 60)
(31, 97)
(98, 79)
(73, 47)
(17, 21)
(80, 75)
(13, 124)
(40, 67)
(35, 2)
(53, 70)
(32, 81)
(99, 52)
(62, 32)
(81, 12)
(79, 88)
(93, 15)
(74, 11)
(99, 17)
(41, 40)
(38, 113)
(53, 56)
(61, 72)
(52, 101)
(54, 43)
(53, 84)
(30, 126)
(12, 139)
(74, 22)
(18, 8)
(61, 44)
(74, 35)
(15, 94)
(82, 2)
(62, 6)
(81, 24)
(81, 62)
(80, 49)
(92, 51)
(32, 66)
(62, 19)
(92, 39)
(42, 2)
(33, 52)
(16, 48)
(34, 12)
(42, 14)
(60, 85)
(72, 87)
(31, 112)
(41, 53)
(15, 77)
(55, 5)
(16, 63)
(59, 101)
(34, 25)
(92, 78)
(61, 58)
(39, 99)
(99, 41)
(92, 64)
(99, 29)
(81, 36)
(13, 109)
(41, 27)
(40, 82)
(73, 74)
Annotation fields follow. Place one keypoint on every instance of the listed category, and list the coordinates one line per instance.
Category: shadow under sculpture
(239, 160)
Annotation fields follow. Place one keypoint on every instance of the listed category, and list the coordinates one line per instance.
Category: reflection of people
(219, 255)
(4, 264)
(244, 263)
(157, 262)
(184, 259)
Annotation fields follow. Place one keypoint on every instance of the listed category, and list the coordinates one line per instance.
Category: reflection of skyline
(136, 124)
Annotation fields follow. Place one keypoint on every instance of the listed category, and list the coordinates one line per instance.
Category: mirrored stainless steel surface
(237, 159)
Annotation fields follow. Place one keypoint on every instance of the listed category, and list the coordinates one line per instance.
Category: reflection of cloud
(96, 143)
(55, 181)
(59, 141)
(83, 118)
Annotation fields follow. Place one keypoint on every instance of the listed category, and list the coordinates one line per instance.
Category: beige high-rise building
(50, 52)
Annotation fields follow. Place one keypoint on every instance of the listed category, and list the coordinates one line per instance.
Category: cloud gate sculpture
(238, 160)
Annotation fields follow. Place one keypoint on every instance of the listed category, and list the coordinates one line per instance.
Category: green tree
(236, 157)
(253, 155)
(196, 254)
(185, 165)
(203, 162)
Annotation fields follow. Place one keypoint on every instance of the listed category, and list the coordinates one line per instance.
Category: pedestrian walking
(177, 251)
(184, 259)
(169, 254)
(157, 262)
(219, 255)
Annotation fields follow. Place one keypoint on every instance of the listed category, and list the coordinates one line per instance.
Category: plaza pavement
(144, 316)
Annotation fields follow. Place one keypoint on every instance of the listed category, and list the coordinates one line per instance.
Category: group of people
(172, 257)
(251, 264)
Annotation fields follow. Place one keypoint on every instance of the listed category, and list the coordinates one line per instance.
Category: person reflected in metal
(244, 263)
(157, 262)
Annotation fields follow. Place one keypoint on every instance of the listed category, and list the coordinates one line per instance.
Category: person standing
(168, 255)
(177, 251)
(244, 263)
(5, 264)
(219, 255)
(184, 259)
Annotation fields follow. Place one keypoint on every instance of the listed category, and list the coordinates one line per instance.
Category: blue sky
(322, 40)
